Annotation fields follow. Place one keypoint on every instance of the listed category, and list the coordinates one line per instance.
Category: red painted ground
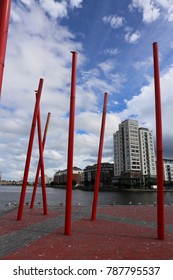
(102, 239)
(8, 222)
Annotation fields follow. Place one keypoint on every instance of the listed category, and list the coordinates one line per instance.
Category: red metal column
(70, 147)
(160, 176)
(4, 22)
(97, 180)
(41, 163)
(38, 167)
(28, 158)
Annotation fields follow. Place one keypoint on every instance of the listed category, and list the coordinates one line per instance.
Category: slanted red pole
(70, 147)
(38, 167)
(28, 158)
(4, 23)
(160, 176)
(42, 164)
(97, 180)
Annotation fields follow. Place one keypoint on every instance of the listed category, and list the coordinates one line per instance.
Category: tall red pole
(160, 176)
(38, 167)
(41, 163)
(70, 147)
(97, 180)
(4, 22)
(28, 158)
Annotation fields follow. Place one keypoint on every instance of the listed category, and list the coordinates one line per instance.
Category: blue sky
(114, 43)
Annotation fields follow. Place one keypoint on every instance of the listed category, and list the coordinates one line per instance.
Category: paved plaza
(118, 233)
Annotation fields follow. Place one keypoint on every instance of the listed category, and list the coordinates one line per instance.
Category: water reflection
(11, 194)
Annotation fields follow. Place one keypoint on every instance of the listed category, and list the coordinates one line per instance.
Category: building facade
(60, 177)
(126, 149)
(147, 152)
(168, 169)
(106, 175)
(133, 151)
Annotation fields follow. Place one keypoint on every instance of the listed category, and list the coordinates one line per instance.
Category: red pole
(70, 147)
(97, 181)
(160, 176)
(41, 163)
(38, 167)
(28, 158)
(4, 22)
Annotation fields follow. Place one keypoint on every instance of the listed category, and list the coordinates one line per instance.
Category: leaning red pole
(97, 180)
(160, 176)
(70, 147)
(43, 184)
(28, 158)
(38, 167)
(4, 23)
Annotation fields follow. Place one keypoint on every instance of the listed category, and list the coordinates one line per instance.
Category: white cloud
(52, 155)
(26, 2)
(143, 64)
(142, 106)
(59, 9)
(115, 103)
(91, 98)
(42, 54)
(111, 51)
(76, 3)
(167, 5)
(88, 142)
(114, 21)
(14, 16)
(38, 46)
(153, 9)
(107, 66)
(54, 9)
(35, 50)
(132, 37)
(104, 77)
(104, 82)
(149, 9)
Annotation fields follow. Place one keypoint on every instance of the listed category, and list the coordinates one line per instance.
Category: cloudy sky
(114, 44)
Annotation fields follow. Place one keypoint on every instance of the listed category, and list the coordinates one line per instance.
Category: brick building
(60, 177)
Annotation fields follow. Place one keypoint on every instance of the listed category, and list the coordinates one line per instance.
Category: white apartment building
(133, 150)
(168, 169)
(126, 148)
(118, 163)
(147, 153)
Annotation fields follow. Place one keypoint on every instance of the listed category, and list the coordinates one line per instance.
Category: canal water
(11, 194)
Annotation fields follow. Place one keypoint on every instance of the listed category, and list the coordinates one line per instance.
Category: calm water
(11, 194)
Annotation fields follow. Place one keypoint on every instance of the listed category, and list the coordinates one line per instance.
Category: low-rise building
(60, 177)
(106, 175)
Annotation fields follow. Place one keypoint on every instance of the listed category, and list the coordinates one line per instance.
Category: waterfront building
(134, 155)
(147, 152)
(126, 149)
(106, 175)
(60, 177)
(168, 169)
